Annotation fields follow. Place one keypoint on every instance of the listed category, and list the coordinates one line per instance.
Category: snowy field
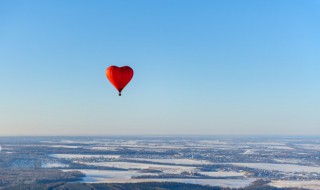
(224, 174)
(312, 184)
(310, 146)
(54, 165)
(79, 156)
(103, 148)
(227, 162)
(112, 176)
(169, 169)
(280, 167)
(176, 161)
(63, 146)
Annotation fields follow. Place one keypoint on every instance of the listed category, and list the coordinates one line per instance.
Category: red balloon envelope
(119, 76)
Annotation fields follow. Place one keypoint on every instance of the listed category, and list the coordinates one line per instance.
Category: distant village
(223, 162)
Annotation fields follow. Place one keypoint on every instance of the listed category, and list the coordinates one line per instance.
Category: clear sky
(201, 67)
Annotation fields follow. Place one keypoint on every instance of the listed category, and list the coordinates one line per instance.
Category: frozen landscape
(226, 162)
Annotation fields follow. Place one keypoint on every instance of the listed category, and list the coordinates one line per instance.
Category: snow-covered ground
(176, 161)
(310, 146)
(169, 169)
(266, 143)
(292, 159)
(280, 147)
(224, 174)
(54, 165)
(113, 176)
(312, 184)
(63, 146)
(79, 156)
(280, 167)
(289, 161)
(231, 183)
(104, 148)
(248, 151)
(100, 175)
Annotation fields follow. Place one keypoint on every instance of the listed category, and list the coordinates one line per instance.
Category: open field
(214, 161)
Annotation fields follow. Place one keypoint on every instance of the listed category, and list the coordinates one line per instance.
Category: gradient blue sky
(201, 67)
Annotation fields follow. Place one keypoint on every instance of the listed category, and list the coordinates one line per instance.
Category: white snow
(310, 146)
(280, 167)
(79, 156)
(280, 147)
(130, 165)
(113, 176)
(101, 175)
(289, 161)
(312, 184)
(63, 146)
(223, 174)
(176, 161)
(248, 151)
(103, 148)
(54, 165)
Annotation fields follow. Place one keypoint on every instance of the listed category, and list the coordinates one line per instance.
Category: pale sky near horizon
(201, 67)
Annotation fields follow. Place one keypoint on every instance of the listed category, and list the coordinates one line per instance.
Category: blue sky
(201, 67)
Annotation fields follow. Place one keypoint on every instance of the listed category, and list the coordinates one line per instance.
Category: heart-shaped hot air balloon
(119, 76)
